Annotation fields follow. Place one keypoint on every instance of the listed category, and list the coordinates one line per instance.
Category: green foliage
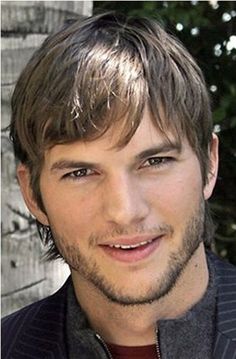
(205, 29)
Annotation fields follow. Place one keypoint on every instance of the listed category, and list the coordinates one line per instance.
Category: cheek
(70, 215)
(174, 199)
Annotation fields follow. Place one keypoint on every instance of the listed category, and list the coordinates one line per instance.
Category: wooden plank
(22, 42)
(21, 257)
(25, 276)
(13, 60)
(40, 16)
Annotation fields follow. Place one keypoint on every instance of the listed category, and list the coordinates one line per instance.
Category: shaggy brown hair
(95, 73)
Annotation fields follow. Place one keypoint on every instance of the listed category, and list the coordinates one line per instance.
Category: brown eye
(81, 172)
(158, 161)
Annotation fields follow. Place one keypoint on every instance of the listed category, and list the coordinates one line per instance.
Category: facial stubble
(89, 270)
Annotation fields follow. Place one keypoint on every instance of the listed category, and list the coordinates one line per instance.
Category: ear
(213, 167)
(27, 192)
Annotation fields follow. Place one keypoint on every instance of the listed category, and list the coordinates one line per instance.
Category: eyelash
(83, 172)
(158, 161)
(74, 174)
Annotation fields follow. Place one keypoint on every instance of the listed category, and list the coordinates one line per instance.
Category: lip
(132, 255)
(129, 241)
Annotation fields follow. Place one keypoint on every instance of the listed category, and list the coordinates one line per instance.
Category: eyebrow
(68, 164)
(164, 147)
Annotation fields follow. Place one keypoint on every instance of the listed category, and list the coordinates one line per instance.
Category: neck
(135, 325)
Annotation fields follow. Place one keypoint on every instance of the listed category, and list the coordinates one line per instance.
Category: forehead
(105, 148)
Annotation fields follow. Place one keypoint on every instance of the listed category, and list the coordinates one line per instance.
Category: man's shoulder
(224, 269)
(27, 313)
(226, 307)
(34, 321)
(225, 275)
(31, 311)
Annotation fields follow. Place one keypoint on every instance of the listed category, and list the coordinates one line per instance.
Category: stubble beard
(178, 260)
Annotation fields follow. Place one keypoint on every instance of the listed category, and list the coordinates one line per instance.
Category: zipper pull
(104, 345)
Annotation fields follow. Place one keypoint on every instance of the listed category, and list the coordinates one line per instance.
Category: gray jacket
(39, 331)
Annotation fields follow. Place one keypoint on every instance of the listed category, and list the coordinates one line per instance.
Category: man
(112, 126)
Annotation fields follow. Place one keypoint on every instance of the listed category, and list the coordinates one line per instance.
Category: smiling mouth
(130, 253)
(130, 246)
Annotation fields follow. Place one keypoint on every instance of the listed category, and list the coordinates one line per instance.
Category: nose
(124, 202)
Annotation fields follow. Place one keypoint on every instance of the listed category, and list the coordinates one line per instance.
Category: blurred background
(208, 30)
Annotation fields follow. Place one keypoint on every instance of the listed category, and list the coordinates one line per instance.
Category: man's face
(127, 221)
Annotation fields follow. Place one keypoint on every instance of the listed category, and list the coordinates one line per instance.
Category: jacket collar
(46, 328)
(225, 341)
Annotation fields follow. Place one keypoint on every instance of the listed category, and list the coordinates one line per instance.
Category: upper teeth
(127, 246)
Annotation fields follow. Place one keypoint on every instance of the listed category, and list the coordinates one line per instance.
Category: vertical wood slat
(25, 276)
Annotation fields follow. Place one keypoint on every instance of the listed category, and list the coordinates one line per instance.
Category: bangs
(105, 88)
(94, 76)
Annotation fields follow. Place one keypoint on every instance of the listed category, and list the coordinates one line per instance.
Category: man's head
(104, 70)
(111, 122)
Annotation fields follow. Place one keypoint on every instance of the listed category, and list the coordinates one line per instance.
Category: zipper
(104, 345)
(158, 344)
